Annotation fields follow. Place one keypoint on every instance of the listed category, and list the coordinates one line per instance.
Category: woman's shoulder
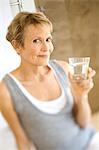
(3, 88)
(5, 99)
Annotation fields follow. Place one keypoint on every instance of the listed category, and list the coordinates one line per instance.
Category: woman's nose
(45, 46)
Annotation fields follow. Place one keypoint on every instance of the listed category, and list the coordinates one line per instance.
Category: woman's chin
(43, 62)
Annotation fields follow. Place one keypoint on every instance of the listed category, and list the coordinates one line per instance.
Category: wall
(9, 60)
(76, 33)
(21, 5)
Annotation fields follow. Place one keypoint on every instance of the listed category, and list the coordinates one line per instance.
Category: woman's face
(37, 45)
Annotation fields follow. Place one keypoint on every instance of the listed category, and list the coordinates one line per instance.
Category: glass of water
(79, 67)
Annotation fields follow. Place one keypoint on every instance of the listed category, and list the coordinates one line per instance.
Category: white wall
(27, 5)
(9, 60)
(8, 57)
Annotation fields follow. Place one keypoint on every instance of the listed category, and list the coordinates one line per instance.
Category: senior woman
(44, 106)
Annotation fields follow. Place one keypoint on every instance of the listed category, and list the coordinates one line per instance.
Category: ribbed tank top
(52, 106)
(50, 131)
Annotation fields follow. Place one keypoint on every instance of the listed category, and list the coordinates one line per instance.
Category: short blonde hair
(20, 21)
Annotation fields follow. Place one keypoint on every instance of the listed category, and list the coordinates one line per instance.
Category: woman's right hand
(32, 146)
(81, 87)
(25, 144)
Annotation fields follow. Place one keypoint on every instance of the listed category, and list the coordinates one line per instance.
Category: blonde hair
(20, 21)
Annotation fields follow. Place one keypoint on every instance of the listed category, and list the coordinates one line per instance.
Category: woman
(41, 101)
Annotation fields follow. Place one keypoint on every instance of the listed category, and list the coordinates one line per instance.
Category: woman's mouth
(43, 56)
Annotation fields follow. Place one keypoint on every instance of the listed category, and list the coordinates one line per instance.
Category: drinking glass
(79, 67)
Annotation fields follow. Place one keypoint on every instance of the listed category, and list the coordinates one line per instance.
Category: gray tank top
(50, 131)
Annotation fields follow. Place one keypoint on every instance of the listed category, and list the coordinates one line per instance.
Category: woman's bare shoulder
(5, 99)
(3, 89)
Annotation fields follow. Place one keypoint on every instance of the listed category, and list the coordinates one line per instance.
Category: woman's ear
(16, 46)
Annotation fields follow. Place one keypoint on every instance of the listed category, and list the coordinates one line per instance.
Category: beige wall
(76, 33)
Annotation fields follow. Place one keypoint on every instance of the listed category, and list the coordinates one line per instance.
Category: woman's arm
(10, 115)
(80, 90)
(82, 111)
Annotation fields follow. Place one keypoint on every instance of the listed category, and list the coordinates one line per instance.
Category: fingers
(87, 84)
(82, 82)
(82, 85)
(32, 146)
(91, 73)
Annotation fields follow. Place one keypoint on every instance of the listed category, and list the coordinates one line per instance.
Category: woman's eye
(36, 41)
(49, 40)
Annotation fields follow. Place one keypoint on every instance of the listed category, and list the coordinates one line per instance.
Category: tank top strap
(60, 72)
(62, 76)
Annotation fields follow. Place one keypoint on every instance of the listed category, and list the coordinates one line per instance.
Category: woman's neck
(30, 72)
